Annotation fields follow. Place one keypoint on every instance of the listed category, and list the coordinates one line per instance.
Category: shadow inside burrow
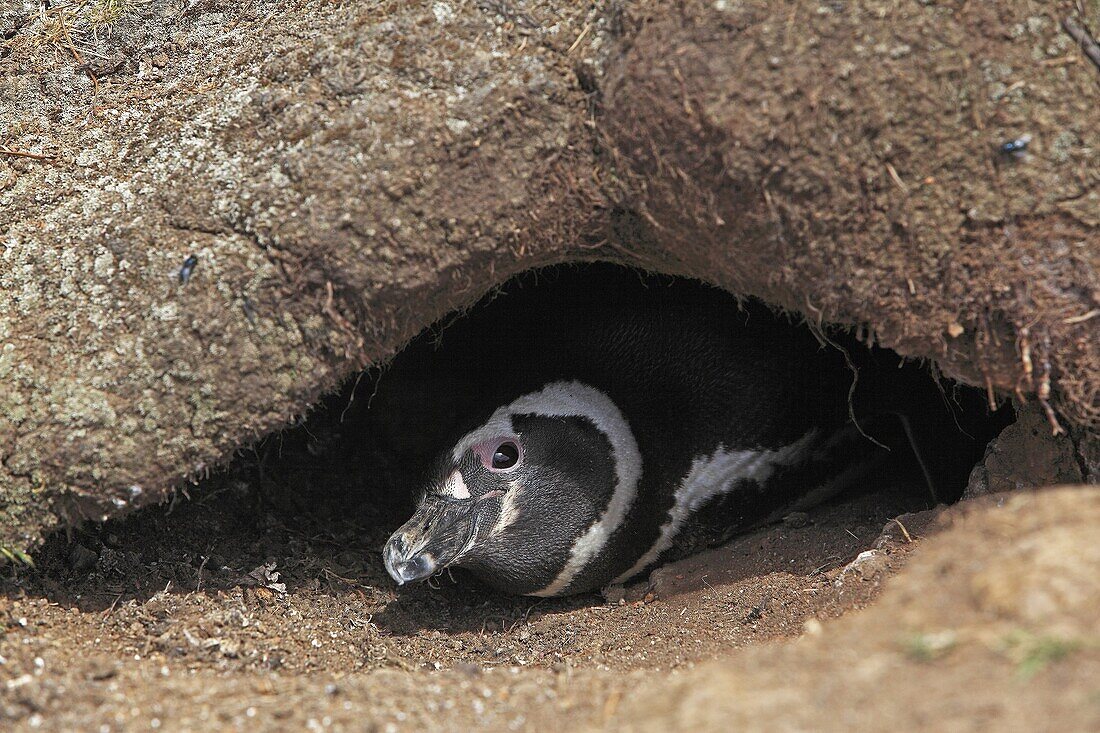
(314, 503)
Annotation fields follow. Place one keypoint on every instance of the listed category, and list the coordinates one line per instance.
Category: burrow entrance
(274, 563)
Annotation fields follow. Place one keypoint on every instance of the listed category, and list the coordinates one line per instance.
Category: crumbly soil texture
(235, 610)
(228, 613)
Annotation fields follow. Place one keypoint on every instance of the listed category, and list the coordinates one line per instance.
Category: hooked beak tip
(408, 570)
(440, 534)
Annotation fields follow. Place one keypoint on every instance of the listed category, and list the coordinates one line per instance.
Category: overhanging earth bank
(346, 175)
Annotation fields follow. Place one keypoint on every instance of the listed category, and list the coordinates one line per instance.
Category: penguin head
(529, 499)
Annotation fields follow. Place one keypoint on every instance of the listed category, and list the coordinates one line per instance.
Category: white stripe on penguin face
(574, 399)
(509, 509)
(455, 487)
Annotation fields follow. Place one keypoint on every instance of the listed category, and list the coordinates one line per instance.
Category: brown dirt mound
(345, 174)
(991, 624)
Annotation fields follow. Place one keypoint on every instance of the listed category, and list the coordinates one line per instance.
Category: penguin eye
(502, 453)
(505, 456)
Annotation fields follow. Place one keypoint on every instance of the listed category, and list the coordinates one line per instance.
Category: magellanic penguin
(609, 430)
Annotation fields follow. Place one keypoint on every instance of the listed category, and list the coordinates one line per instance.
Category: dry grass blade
(25, 154)
(1084, 39)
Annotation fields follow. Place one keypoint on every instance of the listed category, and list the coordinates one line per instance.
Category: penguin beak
(439, 533)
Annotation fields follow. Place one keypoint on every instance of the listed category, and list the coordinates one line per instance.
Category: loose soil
(229, 611)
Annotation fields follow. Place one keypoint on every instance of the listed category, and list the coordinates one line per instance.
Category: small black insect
(1016, 147)
(188, 268)
(249, 310)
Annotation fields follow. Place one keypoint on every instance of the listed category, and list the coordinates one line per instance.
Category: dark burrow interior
(307, 510)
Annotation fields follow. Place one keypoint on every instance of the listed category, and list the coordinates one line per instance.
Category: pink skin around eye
(484, 451)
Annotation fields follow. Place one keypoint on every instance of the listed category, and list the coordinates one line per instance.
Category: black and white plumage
(609, 428)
